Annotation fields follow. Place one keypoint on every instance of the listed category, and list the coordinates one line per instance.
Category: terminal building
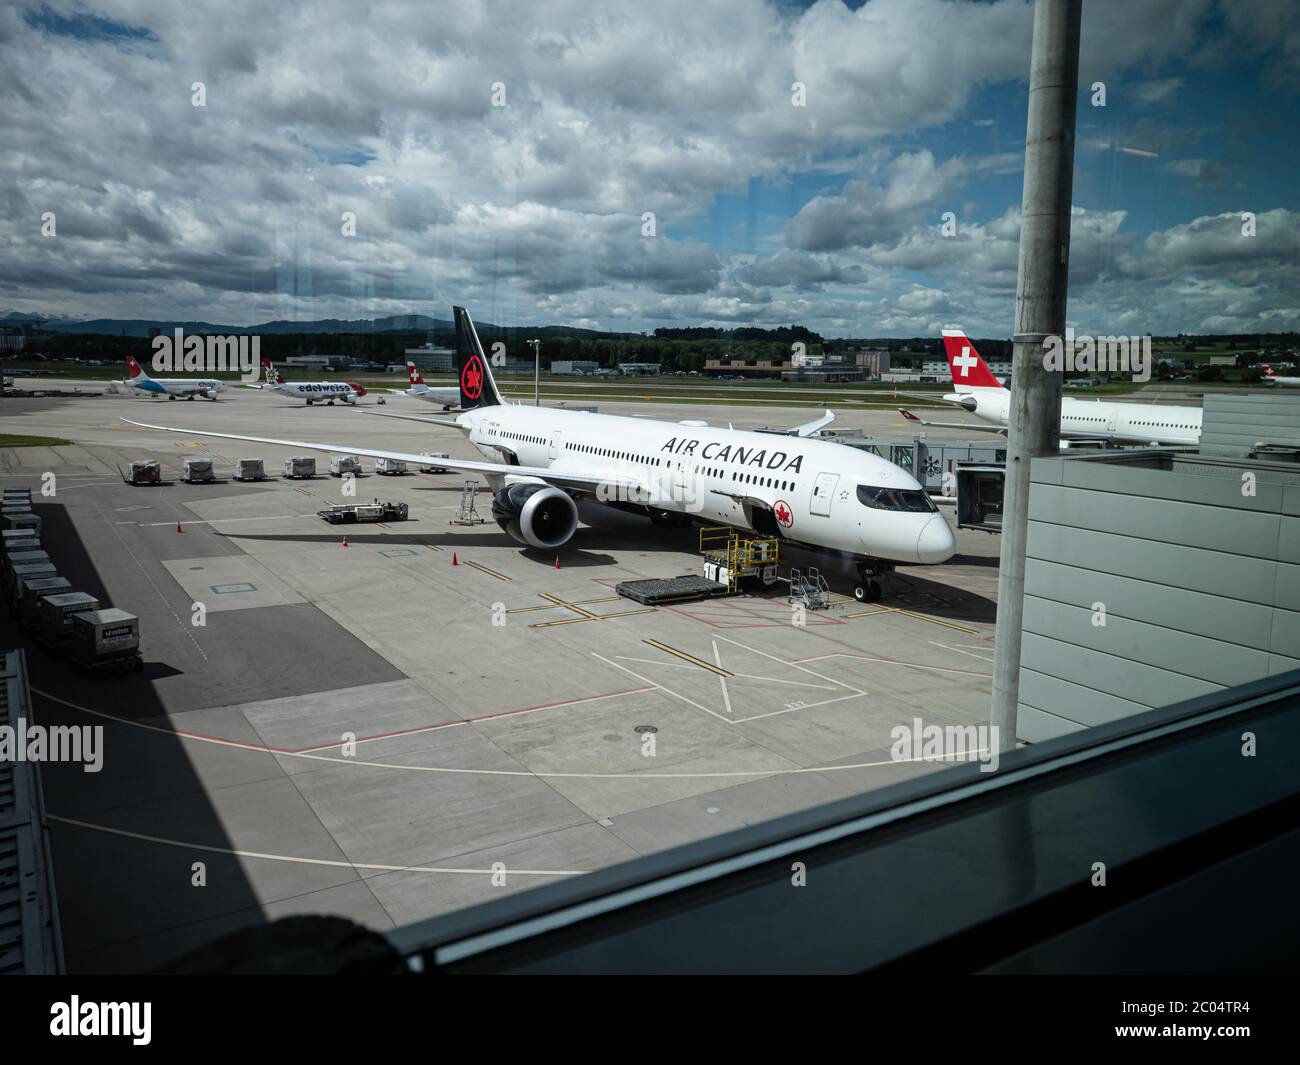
(1155, 576)
(429, 357)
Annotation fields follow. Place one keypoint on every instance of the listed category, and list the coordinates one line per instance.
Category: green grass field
(13, 440)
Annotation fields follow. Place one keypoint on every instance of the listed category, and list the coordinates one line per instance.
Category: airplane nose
(936, 542)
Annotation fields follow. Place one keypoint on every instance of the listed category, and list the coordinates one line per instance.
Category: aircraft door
(822, 494)
(555, 445)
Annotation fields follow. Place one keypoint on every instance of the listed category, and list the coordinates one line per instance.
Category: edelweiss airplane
(815, 493)
(312, 391)
(975, 389)
(1271, 379)
(171, 387)
(449, 397)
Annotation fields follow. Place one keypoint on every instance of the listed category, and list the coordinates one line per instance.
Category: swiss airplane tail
(969, 371)
(477, 389)
(136, 371)
(413, 372)
(1268, 373)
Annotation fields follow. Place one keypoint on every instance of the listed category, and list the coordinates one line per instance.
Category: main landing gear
(870, 586)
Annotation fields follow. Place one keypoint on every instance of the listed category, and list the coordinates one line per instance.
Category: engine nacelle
(536, 514)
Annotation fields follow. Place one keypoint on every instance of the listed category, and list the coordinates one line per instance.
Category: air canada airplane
(814, 493)
(172, 387)
(976, 390)
(449, 397)
(312, 391)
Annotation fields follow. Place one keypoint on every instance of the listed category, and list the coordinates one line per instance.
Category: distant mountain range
(395, 323)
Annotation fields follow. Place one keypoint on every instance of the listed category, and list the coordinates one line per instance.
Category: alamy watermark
(53, 743)
(919, 742)
(1109, 354)
(208, 354)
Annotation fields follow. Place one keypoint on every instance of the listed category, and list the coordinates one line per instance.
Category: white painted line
(726, 697)
(369, 867)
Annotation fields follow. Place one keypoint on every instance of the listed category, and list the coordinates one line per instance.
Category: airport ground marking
(538, 774)
(726, 695)
(484, 569)
(962, 651)
(689, 658)
(296, 860)
(894, 662)
(932, 621)
(746, 676)
(593, 617)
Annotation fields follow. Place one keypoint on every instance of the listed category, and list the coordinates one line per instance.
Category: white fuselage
(1140, 423)
(802, 489)
(178, 386)
(317, 391)
(1283, 382)
(447, 397)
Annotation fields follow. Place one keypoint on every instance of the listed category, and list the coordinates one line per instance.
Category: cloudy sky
(510, 155)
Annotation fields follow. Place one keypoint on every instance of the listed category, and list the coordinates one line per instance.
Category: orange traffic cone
(453, 559)
(557, 561)
(178, 527)
(345, 542)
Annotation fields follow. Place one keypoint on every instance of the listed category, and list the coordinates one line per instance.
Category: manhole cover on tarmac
(645, 728)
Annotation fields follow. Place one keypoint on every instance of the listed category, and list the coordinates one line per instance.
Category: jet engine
(535, 513)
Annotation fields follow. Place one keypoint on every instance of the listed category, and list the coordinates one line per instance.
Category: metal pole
(1034, 424)
(537, 372)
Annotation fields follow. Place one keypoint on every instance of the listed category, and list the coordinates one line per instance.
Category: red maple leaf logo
(471, 378)
(783, 514)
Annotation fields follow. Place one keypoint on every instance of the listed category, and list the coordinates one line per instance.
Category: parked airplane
(449, 397)
(312, 391)
(976, 390)
(1271, 379)
(814, 493)
(171, 387)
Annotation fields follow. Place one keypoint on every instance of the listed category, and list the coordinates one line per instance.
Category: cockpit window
(895, 498)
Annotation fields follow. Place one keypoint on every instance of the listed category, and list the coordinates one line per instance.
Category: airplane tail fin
(1268, 372)
(477, 389)
(135, 370)
(413, 371)
(270, 373)
(968, 370)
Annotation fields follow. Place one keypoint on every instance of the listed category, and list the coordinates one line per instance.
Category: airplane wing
(567, 478)
(973, 426)
(247, 385)
(808, 428)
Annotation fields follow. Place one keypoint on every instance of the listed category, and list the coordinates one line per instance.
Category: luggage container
(56, 613)
(392, 467)
(143, 471)
(105, 641)
(433, 466)
(15, 575)
(198, 471)
(28, 594)
(15, 544)
(250, 470)
(19, 558)
(21, 520)
(343, 464)
(300, 466)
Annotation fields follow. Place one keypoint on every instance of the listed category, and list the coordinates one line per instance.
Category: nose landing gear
(870, 586)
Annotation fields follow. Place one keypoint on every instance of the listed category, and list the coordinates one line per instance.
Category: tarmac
(432, 715)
